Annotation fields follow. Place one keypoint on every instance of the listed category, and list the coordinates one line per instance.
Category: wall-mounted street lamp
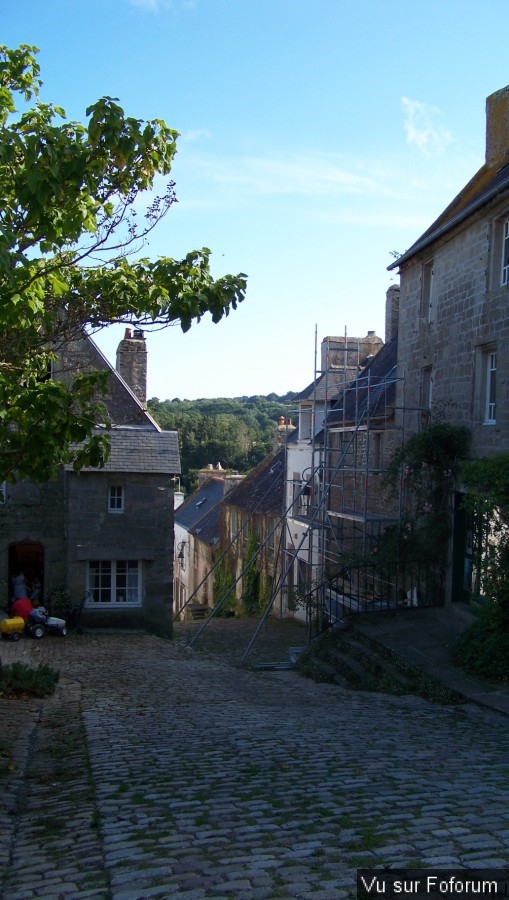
(181, 556)
(305, 498)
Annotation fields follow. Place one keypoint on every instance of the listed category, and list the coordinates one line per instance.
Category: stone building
(308, 527)
(107, 531)
(251, 537)
(454, 321)
(359, 439)
(197, 528)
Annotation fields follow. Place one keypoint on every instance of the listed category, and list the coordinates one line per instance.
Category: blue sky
(317, 136)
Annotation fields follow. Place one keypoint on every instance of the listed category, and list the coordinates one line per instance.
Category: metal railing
(370, 588)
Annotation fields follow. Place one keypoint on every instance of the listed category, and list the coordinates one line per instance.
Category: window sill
(113, 604)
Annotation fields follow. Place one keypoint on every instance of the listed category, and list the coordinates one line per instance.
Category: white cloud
(195, 135)
(424, 128)
(305, 175)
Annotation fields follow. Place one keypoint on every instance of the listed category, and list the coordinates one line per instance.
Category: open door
(27, 558)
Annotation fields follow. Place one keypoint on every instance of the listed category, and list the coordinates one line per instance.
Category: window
(3, 492)
(427, 388)
(427, 291)
(116, 499)
(505, 253)
(303, 577)
(305, 420)
(499, 254)
(301, 495)
(376, 438)
(271, 539)
(116, 581)
(296, 483)
(490, 415)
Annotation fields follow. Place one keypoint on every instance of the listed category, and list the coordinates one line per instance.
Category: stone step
(344, 657)
(375, 660)
(199, 613)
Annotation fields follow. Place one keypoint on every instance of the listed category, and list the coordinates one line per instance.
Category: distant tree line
(236, 432)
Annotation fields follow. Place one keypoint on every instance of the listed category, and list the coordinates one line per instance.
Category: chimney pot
(391, 312)
(497, 127)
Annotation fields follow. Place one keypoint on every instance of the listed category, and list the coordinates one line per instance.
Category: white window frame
(490, 409)
(116, 499)
(305, 423)
(504, 273)
(111, 579)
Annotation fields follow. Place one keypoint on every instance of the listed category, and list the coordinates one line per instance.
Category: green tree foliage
(483, 647)
(487, 485)
(237, 432)
(67, 227)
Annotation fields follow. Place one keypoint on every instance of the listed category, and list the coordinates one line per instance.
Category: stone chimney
(391, 312)
(497, 127)
(132, 362)
(284, 429)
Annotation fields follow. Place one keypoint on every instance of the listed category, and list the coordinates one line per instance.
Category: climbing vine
(251, 583)
(223, 583)
(425, 470)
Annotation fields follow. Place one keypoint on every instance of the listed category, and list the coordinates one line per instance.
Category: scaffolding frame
(375, 411)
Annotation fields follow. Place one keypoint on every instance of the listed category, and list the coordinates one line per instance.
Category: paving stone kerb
(157, 771)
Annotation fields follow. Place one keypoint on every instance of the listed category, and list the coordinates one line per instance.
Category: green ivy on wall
(424, 472)
(251, 583)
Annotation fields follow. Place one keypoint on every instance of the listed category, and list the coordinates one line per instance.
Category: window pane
(116, 498)
(100, 580)
(114, 581)
(132, 581)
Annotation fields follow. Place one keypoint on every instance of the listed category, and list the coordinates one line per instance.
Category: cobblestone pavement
(156, 771)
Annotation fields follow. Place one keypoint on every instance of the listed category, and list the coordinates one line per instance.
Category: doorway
(27, 558)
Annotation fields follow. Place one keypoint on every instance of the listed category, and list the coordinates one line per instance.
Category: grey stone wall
(144, 531)
(83, 356)
(34, 514)
(470, 312)
(357, 489)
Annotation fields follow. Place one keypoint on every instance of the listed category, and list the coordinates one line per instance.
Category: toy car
(45, 624)
(12, 628)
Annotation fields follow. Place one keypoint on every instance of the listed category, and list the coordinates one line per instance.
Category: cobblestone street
(156, 771)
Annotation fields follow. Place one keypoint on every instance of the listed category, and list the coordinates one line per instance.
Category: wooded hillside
(237, 432)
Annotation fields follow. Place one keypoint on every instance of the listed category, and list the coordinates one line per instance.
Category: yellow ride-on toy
(13, 628)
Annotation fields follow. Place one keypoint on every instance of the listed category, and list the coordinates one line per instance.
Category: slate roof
(372, 393)
(199, 504)
(262, 491)
(142, 450)
(486, 184)
(207, 529)
(328, 385)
